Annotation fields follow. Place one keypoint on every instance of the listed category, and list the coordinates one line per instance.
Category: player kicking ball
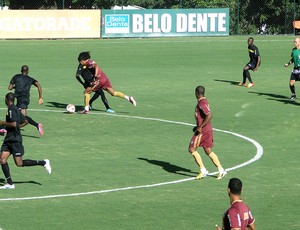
(101, 81)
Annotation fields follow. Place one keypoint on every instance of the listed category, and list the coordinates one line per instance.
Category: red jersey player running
(101, 81)
(203, 135)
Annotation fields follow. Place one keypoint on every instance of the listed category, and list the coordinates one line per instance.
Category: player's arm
(11, 87)
(257, 64)
(12, 124)
(38, 85)
(251, 227)
(289, 63)
(79, 79)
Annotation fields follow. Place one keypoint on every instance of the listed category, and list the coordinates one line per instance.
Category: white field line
(259, 153)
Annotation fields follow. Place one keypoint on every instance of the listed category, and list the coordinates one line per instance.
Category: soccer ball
(71, 108)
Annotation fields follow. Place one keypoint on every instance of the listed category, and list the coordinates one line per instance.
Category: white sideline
(259, 153)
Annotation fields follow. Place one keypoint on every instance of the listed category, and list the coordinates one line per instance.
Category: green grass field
(104, 165)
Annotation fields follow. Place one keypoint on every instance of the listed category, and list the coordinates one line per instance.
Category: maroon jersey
(101, 80)
(237, 216)
(201, 111)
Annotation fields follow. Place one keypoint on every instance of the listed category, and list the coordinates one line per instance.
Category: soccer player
(88, 79)
(101, 81)
(22, 84)
(12, 144)
(295, 75)
(203, 135)
(238, 216)
(253, 64)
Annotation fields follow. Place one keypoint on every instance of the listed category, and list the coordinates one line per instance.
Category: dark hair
(235, 185)
(10, 97)
(24, 68)
(84, 56)
(200, 90)
(251, 38)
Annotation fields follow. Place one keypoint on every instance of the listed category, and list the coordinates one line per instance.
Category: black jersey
(14, 115)
(22, 84)
(85, 73)
(253, 53)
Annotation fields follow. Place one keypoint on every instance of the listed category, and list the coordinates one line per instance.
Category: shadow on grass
(170, 168)
(278, 97)
(3, 181)
(228, 81)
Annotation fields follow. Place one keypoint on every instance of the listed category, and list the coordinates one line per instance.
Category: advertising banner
(49, 24)
(163, 23)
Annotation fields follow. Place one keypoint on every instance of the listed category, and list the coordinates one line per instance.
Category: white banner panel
(27, 24)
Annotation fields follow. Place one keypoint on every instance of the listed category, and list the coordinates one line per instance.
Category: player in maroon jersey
(203, 135)
(238, 216)
(101, 81)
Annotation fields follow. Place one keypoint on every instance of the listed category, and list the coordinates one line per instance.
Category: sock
(198, 160)
(119, 94)
(247, 75)
(32, 122)
(292, 88)
(95, 96)
(27, 163)
(87, 101)
(215, 160)
(104, 100)
(5, 169)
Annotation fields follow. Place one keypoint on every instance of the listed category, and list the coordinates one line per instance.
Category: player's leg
(94, 97)
(194, 143)
(104, 100)
(86, 93)
(214, 158)
(18, 151)
(293, 79)
(114, 93)
(246, 74)
(5, 168)
(22, 104)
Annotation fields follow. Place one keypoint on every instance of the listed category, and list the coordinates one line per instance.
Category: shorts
(104, 83)
(204, 140)
(295, 75)
(15, 148)
(252, 65)
(23, 102)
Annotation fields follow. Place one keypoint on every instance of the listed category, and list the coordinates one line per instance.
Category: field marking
(258, 155)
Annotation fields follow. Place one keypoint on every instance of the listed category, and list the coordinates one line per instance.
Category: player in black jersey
(253, 64)
(22, 84)
(12, 144)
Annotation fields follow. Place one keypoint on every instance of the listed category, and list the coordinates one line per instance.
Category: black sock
(292, 88)
(32, 122)
(95, 96)
(27, 163)
(247, 75)
(5, 169)
(104, 100)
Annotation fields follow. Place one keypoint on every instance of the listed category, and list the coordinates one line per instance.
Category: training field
(132, 170)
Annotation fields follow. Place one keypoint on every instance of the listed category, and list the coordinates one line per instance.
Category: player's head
(250, 41)
(235, 186)
(9, 98)
(200, 91)
(24, 69)
(84, 56)
(297, 42)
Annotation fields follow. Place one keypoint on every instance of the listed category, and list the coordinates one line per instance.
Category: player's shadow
(228, 81)
(2, 181)
(170, 168)
(278, 97)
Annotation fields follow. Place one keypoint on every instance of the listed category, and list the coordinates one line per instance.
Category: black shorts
(23, 102)
(295, 75)
(251, 65)
(15, 148)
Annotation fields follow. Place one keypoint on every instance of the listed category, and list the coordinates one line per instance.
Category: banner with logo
(163, 23)
(24, 24)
